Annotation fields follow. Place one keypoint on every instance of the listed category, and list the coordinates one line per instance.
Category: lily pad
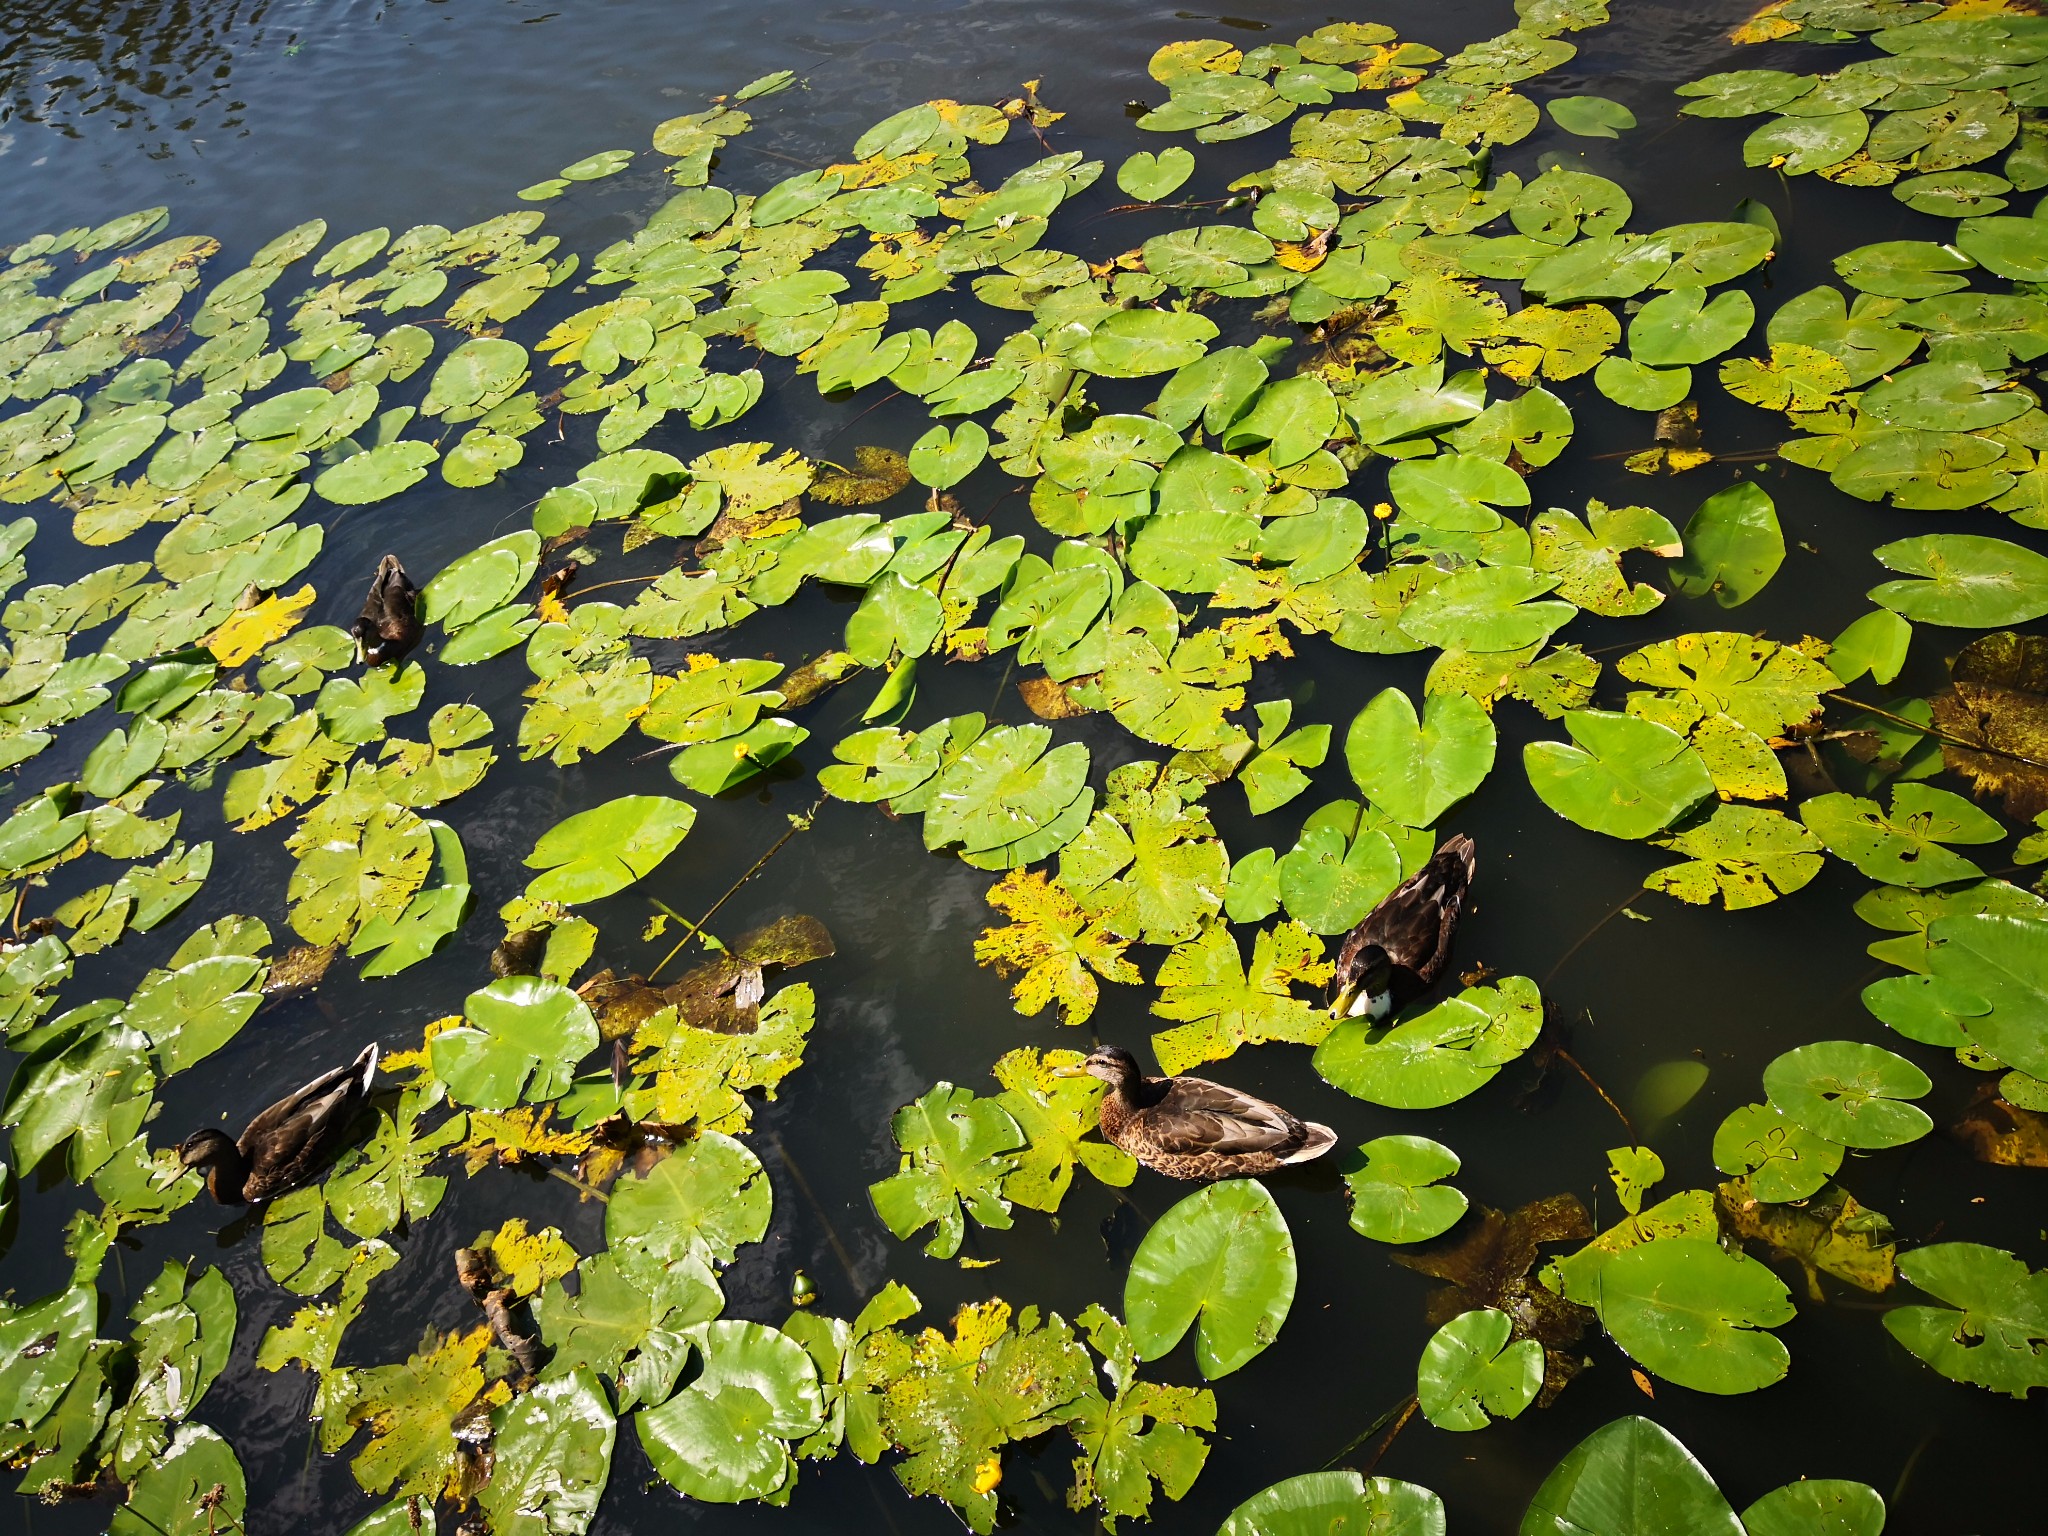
(1625, 776)
(524, 1038)
(1222, 1256)
(606, 848)
(1470, 1374)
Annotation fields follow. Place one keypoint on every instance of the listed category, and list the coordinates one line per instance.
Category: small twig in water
(1593, 1083)
(797, 824)
(1935, 734)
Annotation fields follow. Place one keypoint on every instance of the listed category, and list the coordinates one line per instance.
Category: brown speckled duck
(1397, 953)
(288, 1143)
(389, 625)
(1191, 1128)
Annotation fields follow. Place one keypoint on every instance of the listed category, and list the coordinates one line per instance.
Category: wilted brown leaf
(1830, 1232)
(1486, 1263)
(1997, 700)
(1049, 700)
(878, 474)
(298, 971)
(1993, 1131)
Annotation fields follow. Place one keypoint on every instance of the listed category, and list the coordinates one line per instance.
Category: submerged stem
(1936, 733)
(1593, 1083)
(696, 929)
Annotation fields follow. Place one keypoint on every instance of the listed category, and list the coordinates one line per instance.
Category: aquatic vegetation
(1398, 295)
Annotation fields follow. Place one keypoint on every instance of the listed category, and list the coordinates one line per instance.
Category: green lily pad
(1150, 178)
(1629, 1478)
(1590, 117)
(1470, 1374)
(1222, 1256)
(956, 1153)
(1850, 1093)
(1626, 776)
(1970, 582)
(1733, 546)
(1907, 845)
(1395, 1197)
(523, 1040)
(606, 848)
(1416, 770)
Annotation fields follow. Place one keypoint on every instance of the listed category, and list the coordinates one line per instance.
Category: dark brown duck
(1191, 1128)
(288, 1143)
(1397, 953)
(389, 625)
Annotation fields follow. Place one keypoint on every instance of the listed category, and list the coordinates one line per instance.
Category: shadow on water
(247, 118)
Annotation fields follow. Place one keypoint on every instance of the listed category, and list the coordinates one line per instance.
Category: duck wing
(1414, 925)
(1197, 1115)
(296, 1133)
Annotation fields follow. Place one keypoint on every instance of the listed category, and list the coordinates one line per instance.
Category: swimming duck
(1398, 952)
(288, 1143)
(390, 621)
(1191, 1128)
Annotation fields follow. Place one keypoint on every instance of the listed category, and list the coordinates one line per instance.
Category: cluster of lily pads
(1407, 304)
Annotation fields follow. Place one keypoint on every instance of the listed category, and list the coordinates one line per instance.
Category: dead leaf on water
(1997, 699)
(1049, 700)
(1994, 1131)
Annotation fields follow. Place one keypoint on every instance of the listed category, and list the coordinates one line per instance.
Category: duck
(1397, 953)
(390, 621)
(1191, 1128)
(288, 1143)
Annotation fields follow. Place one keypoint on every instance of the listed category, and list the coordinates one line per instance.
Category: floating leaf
(605, 849)
(523, 1040)
(1629, 1478)
(1906, 845)
(1395, 1197)
(1591, 117)
(1971, 582)
(1415, 771)
(1223, 1004)
(1851, 1093)
(1319, 1502)
(1470, 1374)
(1222, 1256)
(1626, 776)
(956, 1154)
(1733, 547)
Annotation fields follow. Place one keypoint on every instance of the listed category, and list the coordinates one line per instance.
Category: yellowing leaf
(515, 1136)
(551, 609)
(1051, 946)
(248, 630)
(1765, 26)
(1224, 1004)
(880, 171)
(411, 1409)
(1303, 257)
(416, 1061)
(528, 1260)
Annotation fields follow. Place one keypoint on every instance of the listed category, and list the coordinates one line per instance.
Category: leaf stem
(1593, 1083)
(589, 1191)
(697, 928)
(1935, 734)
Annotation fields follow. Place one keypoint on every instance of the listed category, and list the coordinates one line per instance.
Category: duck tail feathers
(366, 1067)
(1320, 1139)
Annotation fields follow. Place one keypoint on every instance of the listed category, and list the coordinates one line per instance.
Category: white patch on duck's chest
(1377, 1007)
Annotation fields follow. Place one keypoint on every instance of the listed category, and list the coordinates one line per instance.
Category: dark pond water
(249, 117)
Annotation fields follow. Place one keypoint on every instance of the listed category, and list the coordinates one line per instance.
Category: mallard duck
(1397, 953)
(1191, 1128)
(288, 1143)
(390, 621)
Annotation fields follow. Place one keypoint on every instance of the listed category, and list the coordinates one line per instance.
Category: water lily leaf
(1780, 1159)
(376, 474)
(1486, 608)
(1590, 117)
(1761, 685)
(1876, 645)
(1223, 1004)
(693, 1208)
(1826, 1504)
(1629, 1478)
(1733, 546)
(410, 1410)
(1682, 327)
(1797, 145)
(345, 882)
(957, 1152)
(1904, 269)
(941, 459)
(1454, 491)
(551, 1457)
(1586, 556)
(724, 1438)
(1904, 847)
(1395, 1197)
(1055, 1108)
(1851, 1093)
(1146, 1432)
(1627, 777)
(251, 629)
(1628, 383)
(523, 1040)
(606, 848)
(1148, 865)
(1318, 1502)
(189, 1490)
(1694, 1314)
(1135, 342)
(1743, 855)
(1438, 1057)
(1416, 770)
(353, 711)
(482, 581)
(1971, 582)
(1993, 1333)
(1222, 1257)
(1470, 1374)
(1052, 946)
(384, 1181)
(1007, 800)
(1865, 339)
(1150, 178)
(2010, 247)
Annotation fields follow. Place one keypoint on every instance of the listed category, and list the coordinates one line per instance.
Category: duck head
(1371, 994)
(372, 649)
(222, 1161)
(1115, 1066)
